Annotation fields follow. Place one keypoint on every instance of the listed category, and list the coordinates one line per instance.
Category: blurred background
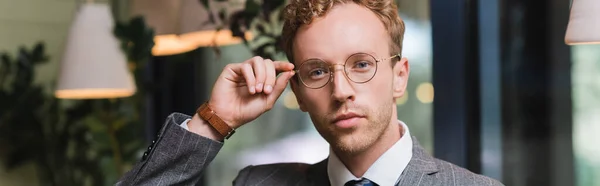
(494, 86)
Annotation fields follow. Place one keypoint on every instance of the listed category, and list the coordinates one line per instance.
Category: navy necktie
(361, 182)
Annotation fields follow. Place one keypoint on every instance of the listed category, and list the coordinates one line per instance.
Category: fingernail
(252, 91)
(259, 86)
(268, 88)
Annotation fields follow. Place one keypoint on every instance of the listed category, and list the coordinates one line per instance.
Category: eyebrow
(372, 53)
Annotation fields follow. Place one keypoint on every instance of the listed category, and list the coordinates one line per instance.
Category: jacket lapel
(420, 167)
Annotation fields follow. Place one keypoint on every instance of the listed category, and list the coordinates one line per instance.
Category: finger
(279, 86)
(283, 66)
(248, 73)
(270, 76)
(258, 65)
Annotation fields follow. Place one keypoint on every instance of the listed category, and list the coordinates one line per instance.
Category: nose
(342, 89)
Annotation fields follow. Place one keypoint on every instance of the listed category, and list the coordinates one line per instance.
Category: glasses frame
(332, 69)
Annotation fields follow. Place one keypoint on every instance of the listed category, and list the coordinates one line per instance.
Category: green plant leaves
(66, 139)
(252, 8)
(137, 39)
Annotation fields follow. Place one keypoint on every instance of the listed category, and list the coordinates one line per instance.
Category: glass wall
(285, 134)
(586, 114)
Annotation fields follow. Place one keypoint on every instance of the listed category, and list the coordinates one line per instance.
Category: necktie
(361, 182)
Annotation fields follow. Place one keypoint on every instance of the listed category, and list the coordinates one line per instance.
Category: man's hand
(244, 91)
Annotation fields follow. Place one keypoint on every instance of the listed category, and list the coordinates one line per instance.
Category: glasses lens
(360, 68)
(314, 73)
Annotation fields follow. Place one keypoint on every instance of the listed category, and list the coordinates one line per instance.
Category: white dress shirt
(385, 171)
(185, 124)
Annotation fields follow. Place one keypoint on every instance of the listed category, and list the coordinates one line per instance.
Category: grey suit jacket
(179, 157)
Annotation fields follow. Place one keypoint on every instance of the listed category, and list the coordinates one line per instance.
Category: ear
(294, 83)
(401, 72)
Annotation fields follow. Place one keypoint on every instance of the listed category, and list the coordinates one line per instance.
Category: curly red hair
(301, 12)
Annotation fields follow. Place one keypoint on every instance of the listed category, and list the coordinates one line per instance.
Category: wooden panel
(38, 11)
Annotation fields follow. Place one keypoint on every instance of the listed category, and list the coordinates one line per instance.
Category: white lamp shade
(181, 25)
(93, 65)
(584, 23)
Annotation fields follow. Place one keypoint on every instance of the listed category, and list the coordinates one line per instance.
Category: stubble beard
(361, 138)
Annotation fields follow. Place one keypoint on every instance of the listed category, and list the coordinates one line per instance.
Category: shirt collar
(385, 171)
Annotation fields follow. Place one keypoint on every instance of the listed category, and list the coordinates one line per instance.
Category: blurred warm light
(289, 101)
(93, 93)
(402, 100)
(184, 25)
(425, 93)
(93, 65)
(171, 44)
(584, 23)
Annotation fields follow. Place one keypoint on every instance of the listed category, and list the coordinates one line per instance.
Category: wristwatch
(207, 114)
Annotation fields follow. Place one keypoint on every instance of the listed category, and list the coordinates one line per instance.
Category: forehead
(344, 30)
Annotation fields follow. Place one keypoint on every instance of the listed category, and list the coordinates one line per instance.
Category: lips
(347, 120)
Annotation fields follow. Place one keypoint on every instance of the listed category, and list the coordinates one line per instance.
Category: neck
(359, 163)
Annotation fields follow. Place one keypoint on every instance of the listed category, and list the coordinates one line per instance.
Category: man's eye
(361, 65)
(317, 73)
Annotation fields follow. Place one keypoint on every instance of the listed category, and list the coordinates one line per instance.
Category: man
(346, 71)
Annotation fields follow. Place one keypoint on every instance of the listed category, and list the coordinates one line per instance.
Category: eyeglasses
(359, 68)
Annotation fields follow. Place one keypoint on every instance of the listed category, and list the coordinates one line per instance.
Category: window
(586, 113)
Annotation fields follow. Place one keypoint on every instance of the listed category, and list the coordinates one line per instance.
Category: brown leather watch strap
(207, 114)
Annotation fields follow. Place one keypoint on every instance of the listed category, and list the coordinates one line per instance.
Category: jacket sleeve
(175, 157)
